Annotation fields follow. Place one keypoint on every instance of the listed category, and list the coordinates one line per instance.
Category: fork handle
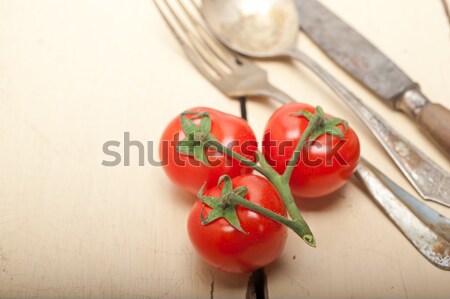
(275, 93)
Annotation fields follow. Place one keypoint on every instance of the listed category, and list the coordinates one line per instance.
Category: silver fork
(236, 76)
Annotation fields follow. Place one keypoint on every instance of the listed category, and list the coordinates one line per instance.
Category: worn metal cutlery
(269, 28)
(235, 76)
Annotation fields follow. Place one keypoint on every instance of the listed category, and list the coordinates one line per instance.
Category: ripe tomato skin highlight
(230, 250)
(192, 175)
(309, 180)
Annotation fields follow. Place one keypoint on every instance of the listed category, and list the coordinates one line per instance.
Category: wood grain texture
(75, 74)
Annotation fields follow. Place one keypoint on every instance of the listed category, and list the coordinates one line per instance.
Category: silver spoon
(268, 28)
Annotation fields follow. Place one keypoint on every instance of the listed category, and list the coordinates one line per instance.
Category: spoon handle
(426, 229)
(430, 180)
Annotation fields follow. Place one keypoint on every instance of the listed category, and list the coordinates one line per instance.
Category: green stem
(285, 192)
(298, 228)
(313, 123)
(229, 152)
(279, 182)
(283, 189)
(282, 186)
(264, 165)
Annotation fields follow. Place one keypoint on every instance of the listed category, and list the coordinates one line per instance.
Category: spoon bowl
(257, 28)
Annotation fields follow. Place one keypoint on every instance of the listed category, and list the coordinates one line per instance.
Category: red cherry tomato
(324, 167)
(189, 174)
(230, 250)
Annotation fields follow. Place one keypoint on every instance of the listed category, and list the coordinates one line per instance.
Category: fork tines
(205, 52)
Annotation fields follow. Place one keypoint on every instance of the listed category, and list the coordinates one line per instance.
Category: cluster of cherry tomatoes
(324, 166)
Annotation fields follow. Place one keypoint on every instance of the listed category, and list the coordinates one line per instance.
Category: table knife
(372, 68)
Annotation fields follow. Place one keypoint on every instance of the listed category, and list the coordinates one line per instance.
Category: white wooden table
(75, 74)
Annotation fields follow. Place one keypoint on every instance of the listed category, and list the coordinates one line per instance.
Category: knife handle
(434, 119)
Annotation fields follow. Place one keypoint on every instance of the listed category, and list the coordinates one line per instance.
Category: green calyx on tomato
(223, 207)
(196, 136)
(318, 125)
(324, 125)
(223, 246)
(178, 161)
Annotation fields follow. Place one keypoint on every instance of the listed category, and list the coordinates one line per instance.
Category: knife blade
(371, 67)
